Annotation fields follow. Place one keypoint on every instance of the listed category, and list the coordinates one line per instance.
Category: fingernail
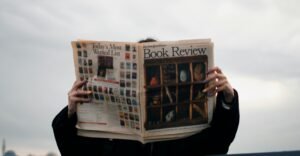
(204, 90)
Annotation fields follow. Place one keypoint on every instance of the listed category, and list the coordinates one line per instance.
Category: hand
(76, 95)
(217, 82)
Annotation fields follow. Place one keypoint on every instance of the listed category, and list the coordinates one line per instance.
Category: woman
(214, 140)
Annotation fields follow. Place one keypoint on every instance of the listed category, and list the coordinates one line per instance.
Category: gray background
(256, 45)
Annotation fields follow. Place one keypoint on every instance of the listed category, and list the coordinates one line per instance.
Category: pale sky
(256, 45)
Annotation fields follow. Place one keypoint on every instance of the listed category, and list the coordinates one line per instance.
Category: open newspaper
(144, 91)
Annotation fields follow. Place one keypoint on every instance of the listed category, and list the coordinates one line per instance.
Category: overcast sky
(256, 45)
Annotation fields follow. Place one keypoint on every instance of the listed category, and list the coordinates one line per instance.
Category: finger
(214, 92)
(213, 69)
(78, 84)
(75, 82)
(214, 76)
(82, 92)
(209, 88)
(212, 87)
(79, 99)
(221, 83)
(221, 88)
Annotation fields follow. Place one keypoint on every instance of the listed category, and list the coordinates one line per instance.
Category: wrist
(228, 96)
(70, 113)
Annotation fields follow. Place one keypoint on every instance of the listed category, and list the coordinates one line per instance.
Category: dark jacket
(213, 140)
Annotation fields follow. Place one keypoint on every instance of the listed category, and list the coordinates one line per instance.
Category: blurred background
(256, 45)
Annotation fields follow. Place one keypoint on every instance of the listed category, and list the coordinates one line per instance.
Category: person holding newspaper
(215, 139)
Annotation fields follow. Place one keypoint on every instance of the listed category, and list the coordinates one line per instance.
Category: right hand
(76, 95)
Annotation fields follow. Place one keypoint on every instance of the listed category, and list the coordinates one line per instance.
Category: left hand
(217, 82)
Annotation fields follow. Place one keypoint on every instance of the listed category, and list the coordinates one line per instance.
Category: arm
(225, 123)
(64, 123)
(217, 138)
(64, 131)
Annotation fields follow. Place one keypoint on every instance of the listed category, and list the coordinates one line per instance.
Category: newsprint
(144, 91)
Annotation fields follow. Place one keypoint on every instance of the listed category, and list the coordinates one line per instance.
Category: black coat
(214, 140)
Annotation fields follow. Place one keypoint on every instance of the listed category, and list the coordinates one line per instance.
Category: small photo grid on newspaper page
(129, 105)
(85, 64)
(119, 91)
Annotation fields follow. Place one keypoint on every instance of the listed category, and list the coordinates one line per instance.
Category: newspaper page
(110, 69)
(172, 81)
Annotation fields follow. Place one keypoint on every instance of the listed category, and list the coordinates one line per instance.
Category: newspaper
(144, 91)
